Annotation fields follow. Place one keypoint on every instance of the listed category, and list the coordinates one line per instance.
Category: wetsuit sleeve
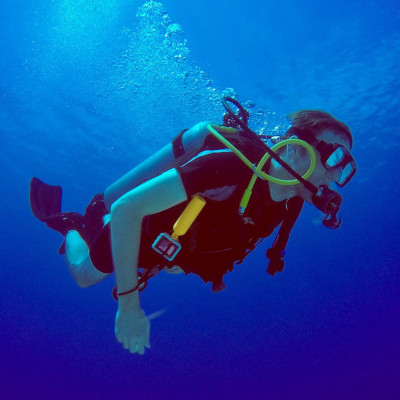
(214, 171)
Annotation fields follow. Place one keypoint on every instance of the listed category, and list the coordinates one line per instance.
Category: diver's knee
(83, 283)
(88, 277)
(87, 274)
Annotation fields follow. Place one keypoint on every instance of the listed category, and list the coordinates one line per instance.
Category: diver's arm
(155, 195)
(152, 166)
(159, 162)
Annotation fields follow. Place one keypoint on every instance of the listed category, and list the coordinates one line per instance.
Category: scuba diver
(200, 205)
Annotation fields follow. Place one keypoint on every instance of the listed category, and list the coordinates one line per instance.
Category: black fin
(45, 199)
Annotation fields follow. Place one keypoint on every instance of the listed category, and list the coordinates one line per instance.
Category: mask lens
(346, 173)
(335, 158)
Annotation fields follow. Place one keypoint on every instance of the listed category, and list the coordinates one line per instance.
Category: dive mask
(335, 156)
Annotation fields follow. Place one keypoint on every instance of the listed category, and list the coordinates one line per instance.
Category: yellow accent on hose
(258, 169)
(188, 216)
(228, 144)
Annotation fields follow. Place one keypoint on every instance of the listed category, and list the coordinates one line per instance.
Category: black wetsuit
(219, 237)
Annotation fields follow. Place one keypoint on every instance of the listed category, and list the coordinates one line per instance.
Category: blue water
(90, 88)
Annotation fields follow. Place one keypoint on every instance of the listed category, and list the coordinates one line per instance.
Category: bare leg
(79, 263)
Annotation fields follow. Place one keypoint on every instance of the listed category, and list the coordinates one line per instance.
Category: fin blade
(45, 200)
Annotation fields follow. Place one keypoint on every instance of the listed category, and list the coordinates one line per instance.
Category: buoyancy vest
(220, 237)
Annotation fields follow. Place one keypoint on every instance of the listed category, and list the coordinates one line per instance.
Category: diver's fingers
(125, 344)
(140, 348)
(123, 340)
(142, 343)
(133, 346)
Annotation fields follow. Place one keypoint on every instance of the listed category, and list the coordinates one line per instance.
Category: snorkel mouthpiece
(328, 201)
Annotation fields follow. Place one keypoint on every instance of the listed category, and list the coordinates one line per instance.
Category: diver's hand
(132, 329)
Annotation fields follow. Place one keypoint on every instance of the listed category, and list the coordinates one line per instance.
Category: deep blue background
(87, 90)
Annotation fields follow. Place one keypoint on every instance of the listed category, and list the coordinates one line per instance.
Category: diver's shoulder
(201, 126)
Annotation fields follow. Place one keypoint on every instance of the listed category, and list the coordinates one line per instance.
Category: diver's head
(332, 141)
